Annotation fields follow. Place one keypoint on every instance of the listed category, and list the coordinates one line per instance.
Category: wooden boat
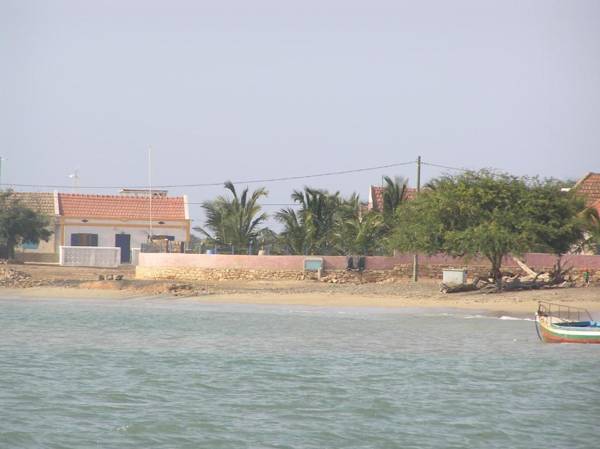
(556, 323)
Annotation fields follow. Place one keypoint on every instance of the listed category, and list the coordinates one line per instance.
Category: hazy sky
(259, 89)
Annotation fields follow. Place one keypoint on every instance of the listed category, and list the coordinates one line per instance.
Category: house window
(30, 245)
(84, 239)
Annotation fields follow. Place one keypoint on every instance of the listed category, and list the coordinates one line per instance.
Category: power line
(261, 204)
(216, 184)
(445, 166)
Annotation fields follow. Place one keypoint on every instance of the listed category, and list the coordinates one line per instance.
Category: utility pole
(416, 256)
(150, 189)
(0, 172)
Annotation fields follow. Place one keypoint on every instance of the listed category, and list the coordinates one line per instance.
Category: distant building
(143, 192)
(376, 197)
(124, 221)
(588, 188)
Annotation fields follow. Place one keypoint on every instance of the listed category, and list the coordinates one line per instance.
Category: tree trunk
(10, 248)
(496, 273)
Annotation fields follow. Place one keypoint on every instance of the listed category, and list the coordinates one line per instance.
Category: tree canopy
(19, 223)
(490, 215)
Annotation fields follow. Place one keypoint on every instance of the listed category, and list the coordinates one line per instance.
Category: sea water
(182, 374)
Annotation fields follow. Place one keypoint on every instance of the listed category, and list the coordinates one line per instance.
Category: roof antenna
(75, 177)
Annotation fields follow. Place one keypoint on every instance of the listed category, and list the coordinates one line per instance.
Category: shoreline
(514, 303)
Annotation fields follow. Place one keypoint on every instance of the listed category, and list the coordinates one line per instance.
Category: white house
(125, 221)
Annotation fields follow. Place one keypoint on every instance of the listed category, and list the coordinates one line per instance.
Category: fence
(90, 256)
(163, 246)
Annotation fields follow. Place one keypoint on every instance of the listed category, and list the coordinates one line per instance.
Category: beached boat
(556, 323)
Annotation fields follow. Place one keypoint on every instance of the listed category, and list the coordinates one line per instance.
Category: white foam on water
(513, 318)
(502, 317)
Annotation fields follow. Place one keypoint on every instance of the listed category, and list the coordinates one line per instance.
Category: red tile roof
(377, 197)
(588, 187)
(121, 207)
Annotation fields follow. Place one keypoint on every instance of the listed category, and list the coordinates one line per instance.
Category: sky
(243, 90)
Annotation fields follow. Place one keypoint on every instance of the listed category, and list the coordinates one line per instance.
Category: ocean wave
(513, 318)
(501, 317)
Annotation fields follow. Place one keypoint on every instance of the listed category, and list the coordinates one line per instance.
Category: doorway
(123, 241)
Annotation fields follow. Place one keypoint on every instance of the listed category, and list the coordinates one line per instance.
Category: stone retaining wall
(36, 257)
(214, 274)
(204, 267)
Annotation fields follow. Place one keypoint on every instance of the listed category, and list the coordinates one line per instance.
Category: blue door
(123, 241)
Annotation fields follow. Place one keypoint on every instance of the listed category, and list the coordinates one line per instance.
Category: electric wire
(262, 204)
(446, 167)
(216, 184)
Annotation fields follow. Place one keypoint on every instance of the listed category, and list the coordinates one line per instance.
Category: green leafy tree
(553, 216)
(19, 223)
(489, 215)
(234, 220)
(310, 230)
(591, 227)
(358, 231)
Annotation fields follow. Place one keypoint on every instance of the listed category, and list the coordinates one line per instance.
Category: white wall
(90, 256)
(138, 231)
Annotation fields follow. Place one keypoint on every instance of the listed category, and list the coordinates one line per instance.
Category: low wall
(37, 257)
(284, 263)
(534, 260)
(90, 256)
(378, 268)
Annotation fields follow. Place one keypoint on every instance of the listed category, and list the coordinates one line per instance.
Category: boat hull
(555, 334)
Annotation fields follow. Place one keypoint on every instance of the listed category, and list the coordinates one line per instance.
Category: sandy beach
(83, 283)
(422, 295)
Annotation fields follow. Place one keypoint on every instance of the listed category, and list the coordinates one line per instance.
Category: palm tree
(312, 224)
(357, 232)
(293, 235)
(394, 193)
(234, 221)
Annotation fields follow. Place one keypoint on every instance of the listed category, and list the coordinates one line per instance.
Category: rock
(10, 277)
